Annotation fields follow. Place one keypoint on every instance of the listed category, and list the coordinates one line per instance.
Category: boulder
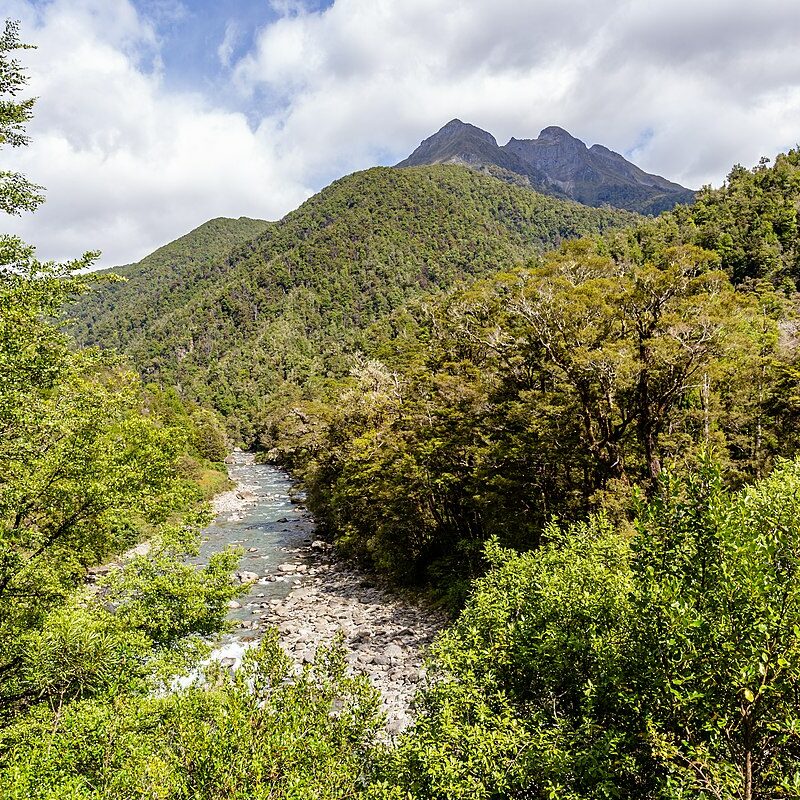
(393, 651)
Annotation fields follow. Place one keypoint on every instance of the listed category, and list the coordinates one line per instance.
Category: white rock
(394, 651)
(244, 576)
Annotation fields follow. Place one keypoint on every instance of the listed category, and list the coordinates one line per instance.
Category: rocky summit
(555, 163)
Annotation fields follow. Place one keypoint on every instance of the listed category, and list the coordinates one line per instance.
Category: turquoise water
(269, 531)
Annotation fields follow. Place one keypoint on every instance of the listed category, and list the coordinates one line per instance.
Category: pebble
(385, 636)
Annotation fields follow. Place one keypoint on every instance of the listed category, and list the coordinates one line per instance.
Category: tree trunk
(748, 776)
(646, 424)
(651, 455)
(747, 741)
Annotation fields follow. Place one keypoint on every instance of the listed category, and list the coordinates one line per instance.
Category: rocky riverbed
(301, 588)
(385, 636)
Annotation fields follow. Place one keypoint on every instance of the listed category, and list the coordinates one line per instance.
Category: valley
(474, 477)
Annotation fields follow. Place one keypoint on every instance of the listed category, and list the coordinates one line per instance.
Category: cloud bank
(685, 89)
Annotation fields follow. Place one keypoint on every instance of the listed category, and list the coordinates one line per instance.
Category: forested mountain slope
(161, 281)
(290, 302)
(556, 388)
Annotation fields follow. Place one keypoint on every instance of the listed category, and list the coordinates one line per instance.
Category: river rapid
(310, 596)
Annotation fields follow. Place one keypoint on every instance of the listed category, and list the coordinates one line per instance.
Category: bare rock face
(554, 163)
(461, 143)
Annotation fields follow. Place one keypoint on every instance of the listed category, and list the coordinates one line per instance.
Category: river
(267, 526)
(311, 596)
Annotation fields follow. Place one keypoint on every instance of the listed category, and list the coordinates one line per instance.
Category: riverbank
(324, 597)
(233, 502)
(385, 636)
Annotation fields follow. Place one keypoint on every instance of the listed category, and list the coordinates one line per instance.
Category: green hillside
(555, 388)
(286, 305)
(164, 280)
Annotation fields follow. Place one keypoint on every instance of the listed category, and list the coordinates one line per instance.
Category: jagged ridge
(555, 163)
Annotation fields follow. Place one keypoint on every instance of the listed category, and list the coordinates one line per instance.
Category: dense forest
(286, 308)
(556, 388)
(120, 310)
(575, 428)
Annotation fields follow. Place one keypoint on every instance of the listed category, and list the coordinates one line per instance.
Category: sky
(156, 115)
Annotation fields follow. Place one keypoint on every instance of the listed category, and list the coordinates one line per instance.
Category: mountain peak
(555, 134)
(459, 128)
(555, 163)
(456, 141)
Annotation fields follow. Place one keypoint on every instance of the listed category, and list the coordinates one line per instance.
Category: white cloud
(229, 42)
(127, 164)
(166, 11)
(716, 81)
(689, 87)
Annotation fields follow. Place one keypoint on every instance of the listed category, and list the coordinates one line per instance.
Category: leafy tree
(261, 732)
(83, 475)
(208, 435)
(17, 193)
(665, 665)
(630, 342)
(718, 597)
(546, 390)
